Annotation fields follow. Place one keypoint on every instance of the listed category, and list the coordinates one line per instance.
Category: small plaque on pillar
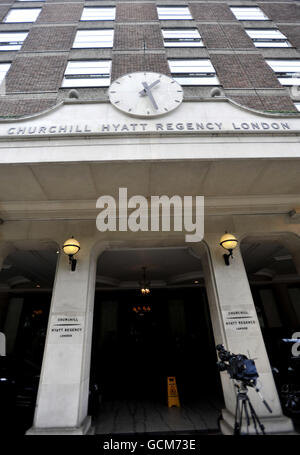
(66, 329)
(240, 321)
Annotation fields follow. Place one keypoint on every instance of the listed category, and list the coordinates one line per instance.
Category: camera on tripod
(238, 366)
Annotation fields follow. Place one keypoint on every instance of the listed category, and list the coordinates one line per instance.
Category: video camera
(238, 366)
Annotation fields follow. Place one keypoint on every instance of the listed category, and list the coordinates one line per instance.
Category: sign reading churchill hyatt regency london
(157, 108)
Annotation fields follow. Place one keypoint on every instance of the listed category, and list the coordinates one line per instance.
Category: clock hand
(148, 92)
(143, 92)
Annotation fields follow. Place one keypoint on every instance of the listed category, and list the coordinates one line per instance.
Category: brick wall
(136, 12)
(281, 12)
(244, 71)
(13, 108)
(133, 37)
(3, 11)
(292, 32)
(36, 74)
(60, 13)
(211, 12)
(122, 64)
(221, 36)
(268, 103)
(49, 38)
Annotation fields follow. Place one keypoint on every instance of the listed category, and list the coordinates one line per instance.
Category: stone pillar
(62, 401)
(236, 325)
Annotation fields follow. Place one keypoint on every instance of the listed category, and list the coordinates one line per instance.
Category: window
(193, 72)
(4, 67)
(93, 38)
(182, 37)
(173, 12)
(249, 13)
(22, 15)
(297, 106)
(99, 14)
(268, 38)
(87, 74)
(287, 71)
(12, 41)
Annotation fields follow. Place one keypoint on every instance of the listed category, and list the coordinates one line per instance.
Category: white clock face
(145, 94)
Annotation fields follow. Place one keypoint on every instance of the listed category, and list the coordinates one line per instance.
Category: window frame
(105, 76)
(8, 43)
(174, 7)
(286, 77)
(182, 41)
(192, 78)
(248, 8)
(86, 31)
(100, 8)
(281, 39)
(13, 10)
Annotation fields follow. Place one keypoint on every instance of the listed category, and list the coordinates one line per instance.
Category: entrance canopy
(240, 160)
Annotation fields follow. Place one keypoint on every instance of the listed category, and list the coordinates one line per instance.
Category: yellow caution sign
(173, 398)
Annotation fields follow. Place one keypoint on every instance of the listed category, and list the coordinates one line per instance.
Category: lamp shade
(71, 246)
(228, 241)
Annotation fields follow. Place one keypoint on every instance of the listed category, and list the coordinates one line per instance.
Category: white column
(62, 400)
(236, 325)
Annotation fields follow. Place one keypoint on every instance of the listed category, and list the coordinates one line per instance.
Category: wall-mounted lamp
(229, 242)
(71, 247)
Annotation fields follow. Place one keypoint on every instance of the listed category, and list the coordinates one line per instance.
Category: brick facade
(281, 12)
(132, 12)
(122, 64)
(19, 108)
(133, 37)
(239, 65)
(60, 13)
(211, 12)
(3, 11)
(244, 71)
(36, 74)
(266, 103)
(221, 36)
(49, 39)
(292, 32)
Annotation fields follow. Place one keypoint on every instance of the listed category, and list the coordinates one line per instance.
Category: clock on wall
(145, 94)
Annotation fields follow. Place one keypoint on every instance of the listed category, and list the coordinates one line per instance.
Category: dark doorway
(133, 354)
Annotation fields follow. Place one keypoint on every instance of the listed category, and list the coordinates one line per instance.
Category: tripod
(244, 405)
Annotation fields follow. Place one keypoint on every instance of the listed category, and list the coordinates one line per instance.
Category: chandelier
(144, 283)
(143, 308)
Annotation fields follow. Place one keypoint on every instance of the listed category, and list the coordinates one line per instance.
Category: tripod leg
(237, 428)
(246, 414)
(241, 414)
(256, 419)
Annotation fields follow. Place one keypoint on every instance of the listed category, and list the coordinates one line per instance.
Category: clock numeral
(129, 110)
(116, 102)
(177, 101)
(166, 109)
(179, 91)
(112, 91)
